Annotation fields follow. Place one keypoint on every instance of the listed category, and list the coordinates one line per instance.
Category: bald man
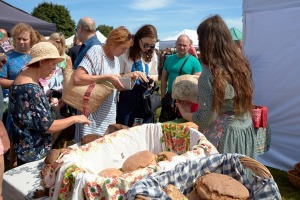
(4, 42)
(86, 33)
(175, 65)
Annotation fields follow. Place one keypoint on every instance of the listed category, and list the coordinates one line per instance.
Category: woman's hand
(141, 75)
(185, 109)
(183, 106)
(114, 79)
(82, 119)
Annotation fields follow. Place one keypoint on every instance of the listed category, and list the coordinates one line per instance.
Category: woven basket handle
(88, 92)
(258, 168)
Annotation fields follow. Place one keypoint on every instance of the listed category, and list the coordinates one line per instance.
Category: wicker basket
(294, 178)
(257, 168)
(75, 95)
(297, 167)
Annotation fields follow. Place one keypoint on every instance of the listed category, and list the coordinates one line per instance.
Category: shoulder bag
(86, 98)
(168, 101)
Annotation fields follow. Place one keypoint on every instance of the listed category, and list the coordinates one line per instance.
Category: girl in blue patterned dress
(225, 91)
(24, 38)
(30, 110)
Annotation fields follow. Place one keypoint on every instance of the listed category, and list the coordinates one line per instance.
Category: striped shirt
(106, 113)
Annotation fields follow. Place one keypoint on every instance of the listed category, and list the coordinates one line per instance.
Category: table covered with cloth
(184, 175)
(77, 176)
(21, 182)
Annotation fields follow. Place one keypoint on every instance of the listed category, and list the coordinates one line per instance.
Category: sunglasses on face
(147, 46)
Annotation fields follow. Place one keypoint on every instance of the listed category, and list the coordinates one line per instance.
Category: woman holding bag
(131, 102)
(100, 63)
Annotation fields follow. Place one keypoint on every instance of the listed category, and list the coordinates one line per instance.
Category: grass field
(287, 191)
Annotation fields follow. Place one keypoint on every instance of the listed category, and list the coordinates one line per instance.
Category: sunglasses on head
(148, 46)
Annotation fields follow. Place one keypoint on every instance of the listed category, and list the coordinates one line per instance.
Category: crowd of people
(32, 79)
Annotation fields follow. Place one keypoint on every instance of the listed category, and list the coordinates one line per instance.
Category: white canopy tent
(272, 45)
(170, 41)
(100, 36)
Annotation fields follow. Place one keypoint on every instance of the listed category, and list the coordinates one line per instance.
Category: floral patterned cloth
(31, 116)
(77, 176)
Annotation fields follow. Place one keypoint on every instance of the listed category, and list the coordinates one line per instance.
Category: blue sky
(168, 16)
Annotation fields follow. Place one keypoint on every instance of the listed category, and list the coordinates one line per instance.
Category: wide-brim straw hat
(42, 51)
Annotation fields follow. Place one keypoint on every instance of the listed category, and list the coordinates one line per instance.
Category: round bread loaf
(110, 172)
(166, 155)
(139, 160)
(220, 186)
(192, 195)
(174, 193)
(52, 156)
(89, 138)
(114, 127)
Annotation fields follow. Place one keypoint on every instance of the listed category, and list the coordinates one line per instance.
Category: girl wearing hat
(30, 108)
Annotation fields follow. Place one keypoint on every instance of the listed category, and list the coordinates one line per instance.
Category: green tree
(104, 29)
(56, 14)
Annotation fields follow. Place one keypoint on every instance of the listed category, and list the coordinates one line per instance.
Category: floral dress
(228, 132)
(31, 116)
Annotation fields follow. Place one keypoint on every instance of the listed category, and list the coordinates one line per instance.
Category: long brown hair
(135, 51)
(219, 53)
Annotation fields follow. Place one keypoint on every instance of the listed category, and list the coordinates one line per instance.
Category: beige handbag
(86, 98)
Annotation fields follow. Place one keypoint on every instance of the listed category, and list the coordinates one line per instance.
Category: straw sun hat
(44, 50)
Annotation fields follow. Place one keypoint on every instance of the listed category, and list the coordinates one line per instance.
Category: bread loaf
(110, 172)
(114, 127)
(89, 138)
(174, 193)
(192, 195)
(52, 156)
(166, 155)
(220, 186)
(139, 160)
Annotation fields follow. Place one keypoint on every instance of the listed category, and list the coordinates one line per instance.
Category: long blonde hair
(60, 39)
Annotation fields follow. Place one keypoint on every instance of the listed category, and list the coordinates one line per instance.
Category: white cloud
(149, 4)
(235, 22)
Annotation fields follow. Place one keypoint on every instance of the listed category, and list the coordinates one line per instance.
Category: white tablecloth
(20, 182)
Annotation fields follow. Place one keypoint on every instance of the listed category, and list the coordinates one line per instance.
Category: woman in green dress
(225, 90)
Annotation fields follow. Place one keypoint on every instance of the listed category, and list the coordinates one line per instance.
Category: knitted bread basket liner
(185, 87)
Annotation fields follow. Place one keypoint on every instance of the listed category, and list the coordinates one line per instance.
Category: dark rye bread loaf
(221, 187)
